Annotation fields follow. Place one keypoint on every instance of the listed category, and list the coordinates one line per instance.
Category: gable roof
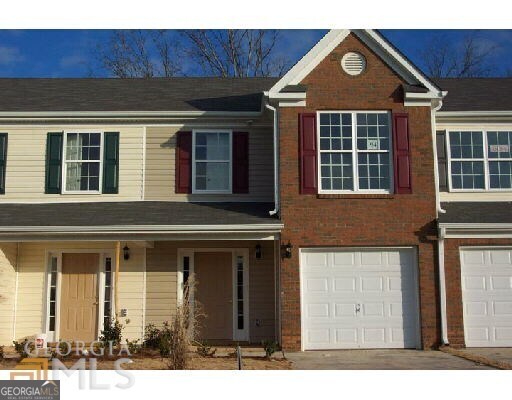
(375, 41)
(476, 94)
(209, 94)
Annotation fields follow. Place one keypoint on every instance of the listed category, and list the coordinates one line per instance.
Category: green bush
(270, 347)
(112, 332)
(204, 350)
(133, 346)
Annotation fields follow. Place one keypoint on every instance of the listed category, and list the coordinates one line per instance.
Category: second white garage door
(487, 296)
(359, 298)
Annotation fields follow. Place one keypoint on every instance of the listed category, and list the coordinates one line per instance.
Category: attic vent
(353, 63)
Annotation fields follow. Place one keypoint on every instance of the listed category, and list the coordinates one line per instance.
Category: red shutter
(402, 153)
(184, 162)
(240, 162)
(308, 153)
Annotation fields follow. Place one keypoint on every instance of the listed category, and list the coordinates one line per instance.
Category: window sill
(355, 196)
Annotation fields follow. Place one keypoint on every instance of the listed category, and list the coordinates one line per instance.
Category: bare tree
(235, 52)
(140, 53)
(443, 59)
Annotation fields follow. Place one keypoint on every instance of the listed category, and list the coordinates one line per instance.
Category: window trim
(230, 185)
(64, 162)
(354, 153)
(485, 159)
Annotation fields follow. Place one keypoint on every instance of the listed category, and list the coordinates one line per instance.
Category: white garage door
(359, 298)
(487, 297)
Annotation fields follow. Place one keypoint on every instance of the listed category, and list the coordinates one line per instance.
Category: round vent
(353, 63)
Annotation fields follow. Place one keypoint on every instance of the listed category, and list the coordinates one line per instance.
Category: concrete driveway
(379, 359)
(499, 354)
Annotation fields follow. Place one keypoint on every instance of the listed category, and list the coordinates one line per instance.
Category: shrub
(1, 352)
(204, 350)
(133, 346)
(270, 347)
(112, 332)
(151, 336)
(19, 347)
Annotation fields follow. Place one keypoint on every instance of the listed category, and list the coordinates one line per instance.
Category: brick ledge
(355, 196)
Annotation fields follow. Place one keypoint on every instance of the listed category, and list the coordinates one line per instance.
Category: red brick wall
(453, 284)
(352, 220)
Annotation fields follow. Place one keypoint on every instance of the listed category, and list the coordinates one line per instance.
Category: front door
(79, 297)
(214, 292)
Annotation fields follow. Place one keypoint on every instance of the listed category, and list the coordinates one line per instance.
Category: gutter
(143, 229)
(276, 160)
(124, 114)
(442, 287)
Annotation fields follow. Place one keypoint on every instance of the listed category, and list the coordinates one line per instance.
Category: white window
(82, 162)
(355, 152)
(211, 161)
(480, 160)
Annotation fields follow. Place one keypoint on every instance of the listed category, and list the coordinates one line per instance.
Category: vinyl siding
(32, 282)
(8, 252)
(161, 283)
(161, 162)
(26, 157)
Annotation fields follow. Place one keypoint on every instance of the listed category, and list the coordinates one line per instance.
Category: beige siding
(32, 281)
(8, 253)
(161, 283)
(160, 166)
(26, 154)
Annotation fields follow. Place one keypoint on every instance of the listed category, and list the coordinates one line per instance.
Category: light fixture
(257, 252)
(126, 252)
(286, 250)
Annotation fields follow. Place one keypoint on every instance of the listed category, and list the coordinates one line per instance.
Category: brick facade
(358, 220)
(453, 283)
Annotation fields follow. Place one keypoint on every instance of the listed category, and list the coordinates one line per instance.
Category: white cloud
(10, 55)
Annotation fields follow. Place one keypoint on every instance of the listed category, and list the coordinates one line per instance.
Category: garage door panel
(487, 296)
(369, 305)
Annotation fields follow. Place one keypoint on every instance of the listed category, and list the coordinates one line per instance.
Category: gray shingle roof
(135, 213)
(111, 94)
(477, 212)
(476, 94)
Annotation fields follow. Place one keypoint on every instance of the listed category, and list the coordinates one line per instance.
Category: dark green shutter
(3, 159)
(53, 181)
(111, 163)
(442, 160)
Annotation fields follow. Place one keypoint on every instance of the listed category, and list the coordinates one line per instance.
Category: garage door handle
(358, 308)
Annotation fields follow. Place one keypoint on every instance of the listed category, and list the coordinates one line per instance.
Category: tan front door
(214, 292)
(79, 297)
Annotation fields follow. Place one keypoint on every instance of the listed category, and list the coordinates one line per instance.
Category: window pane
(374, 134)
(500, 174)
(499, 144)
(468, 175)
(335, 131)
(212, 146)
(82, 176)
(373, 169)
(336, 171)
(215, 176)
(466, 145)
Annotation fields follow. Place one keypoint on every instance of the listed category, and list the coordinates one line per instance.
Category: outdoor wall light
(287, 250)
(126, 252)
(257, 252)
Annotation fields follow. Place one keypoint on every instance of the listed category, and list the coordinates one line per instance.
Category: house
(351, 203)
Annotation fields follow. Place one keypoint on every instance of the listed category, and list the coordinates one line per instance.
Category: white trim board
(375, 42)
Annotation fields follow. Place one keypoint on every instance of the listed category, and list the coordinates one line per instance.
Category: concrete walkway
(379, 359)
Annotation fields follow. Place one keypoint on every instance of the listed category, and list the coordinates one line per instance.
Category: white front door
(359, 298)
(487, 296)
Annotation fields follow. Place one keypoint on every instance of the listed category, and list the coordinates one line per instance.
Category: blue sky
(70, 53)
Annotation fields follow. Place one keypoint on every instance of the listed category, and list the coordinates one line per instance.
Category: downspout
(442, 231)
(434, 142)
(116, 279)
(276, 161)
(442, 287)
